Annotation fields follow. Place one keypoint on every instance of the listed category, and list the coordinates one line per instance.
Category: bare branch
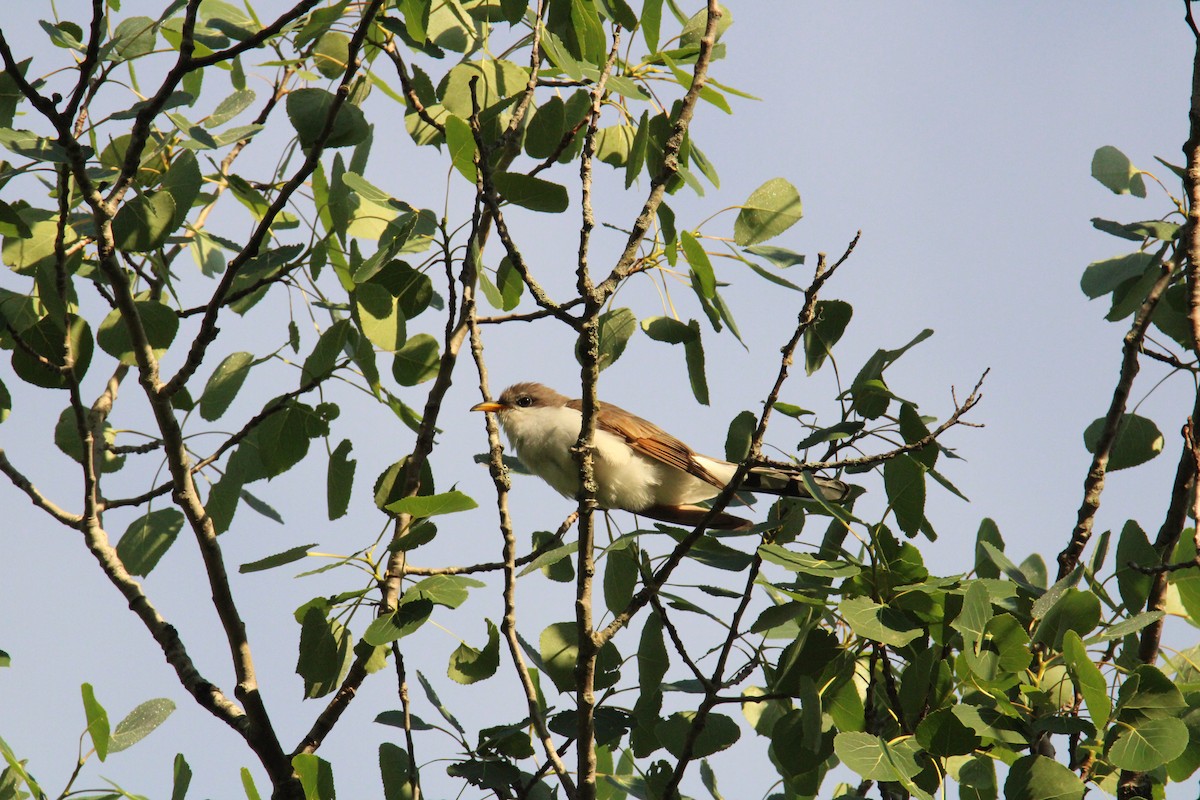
(36, 497)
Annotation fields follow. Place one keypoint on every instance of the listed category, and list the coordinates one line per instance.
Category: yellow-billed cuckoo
(638, 466)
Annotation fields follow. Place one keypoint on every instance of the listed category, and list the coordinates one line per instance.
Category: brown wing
(650, 440)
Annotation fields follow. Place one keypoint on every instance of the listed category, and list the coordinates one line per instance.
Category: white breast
(625, 479)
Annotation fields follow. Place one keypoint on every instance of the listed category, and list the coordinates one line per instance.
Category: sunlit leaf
(97, 721)
(769, 211)
(140, 723)
(1114, 169)
(433, 505)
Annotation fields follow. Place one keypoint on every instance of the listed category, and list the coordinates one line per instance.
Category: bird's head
(522, 399)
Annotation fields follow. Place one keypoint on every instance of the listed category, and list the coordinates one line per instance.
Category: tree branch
(1093, 485)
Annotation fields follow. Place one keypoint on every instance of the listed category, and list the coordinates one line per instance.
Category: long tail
(788, 484)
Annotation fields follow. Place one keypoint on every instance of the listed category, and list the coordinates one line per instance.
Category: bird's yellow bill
(487, 407)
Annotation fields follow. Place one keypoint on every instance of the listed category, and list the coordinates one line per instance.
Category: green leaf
(396, 769)
(667, 329)
(870, 394)
(417, 361)
(1150, 692)
(325, 652)
(1002, 653)
(229, 108)
(379, 316)
(66, 437)
(651, 23)
(738, 436)
(224, 383)
(248, 785)
(181, 778)
(1076, 611)
(5, 402)
(1041, 778)
(183, 182)
(468, 665)
(1088, 679)
(423, 506)
(331, 54)
(701, 266)
(807, 564)
(544, 133)
(720, 733)
(1138, 440)
(309, 109)
(710, 552)
(942, 734)
(832, 317)
(840, 430)
(904, 481)
(147, 538)
(508, 287)
(316, 776)
(620, 577)
(405, 620)
(281, 440)
(988, 532)
(140, 723)
(872, 757)
(46, 338)
(97, 721)
(29, 247)
(340, 479)
(1127, 626)
(450, 591)
(159, 323)
(559, 651)
(261, 507)
(779, 256)
(769, 211)
(1115, 228)
(132, 38)
(291, 555)
(30, 145)
(1103, 277)
(460, 143)
(532, 193)
(554, 563)
(615, 328)
(878, 622)
(143, 222)
(1148, 743)
(637, 150)
(1114, 169)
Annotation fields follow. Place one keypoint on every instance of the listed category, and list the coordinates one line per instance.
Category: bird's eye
(524, 401)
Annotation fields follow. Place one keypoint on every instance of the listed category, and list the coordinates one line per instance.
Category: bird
(638, 466)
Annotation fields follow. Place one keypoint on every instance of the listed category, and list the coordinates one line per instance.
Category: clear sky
(957, 136)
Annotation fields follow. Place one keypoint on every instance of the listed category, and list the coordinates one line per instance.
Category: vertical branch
(1132, 783)
(508, 624)
(658, 184)
(584, 452)
(1093, 485)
